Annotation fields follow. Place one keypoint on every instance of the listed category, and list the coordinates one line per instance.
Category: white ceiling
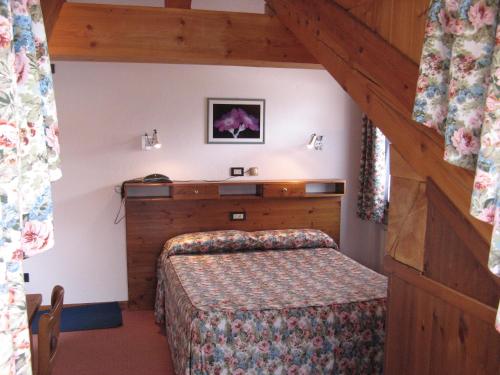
(250, 6)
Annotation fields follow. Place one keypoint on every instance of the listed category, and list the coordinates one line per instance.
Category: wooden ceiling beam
(383, 83)
(93, 32)
(50, 11)
(183, 4)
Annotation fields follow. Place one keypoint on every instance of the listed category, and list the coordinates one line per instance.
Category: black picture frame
(236, 121)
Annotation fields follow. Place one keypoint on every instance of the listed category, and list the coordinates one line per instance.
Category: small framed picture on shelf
(236, 120)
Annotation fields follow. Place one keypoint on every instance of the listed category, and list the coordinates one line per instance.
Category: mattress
(266, 311)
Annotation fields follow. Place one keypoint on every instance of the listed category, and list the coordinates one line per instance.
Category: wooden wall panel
(407, 214)
(441, 320)
(427, 335)
(402, 24)
(407, 222)
(150, 222)
(454, 254)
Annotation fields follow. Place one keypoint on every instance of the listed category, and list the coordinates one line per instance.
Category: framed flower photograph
(236, 120)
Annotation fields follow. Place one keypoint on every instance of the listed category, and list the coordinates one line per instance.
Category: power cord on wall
(119, 219)
(121, 190)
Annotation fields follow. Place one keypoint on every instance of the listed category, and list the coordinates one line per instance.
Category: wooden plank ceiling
(96, 32)
(382, 80)
(401, 23)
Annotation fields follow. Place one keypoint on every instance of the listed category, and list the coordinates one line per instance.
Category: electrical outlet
(26, 277)
(237, 172)
(238, 216)
(254, 171)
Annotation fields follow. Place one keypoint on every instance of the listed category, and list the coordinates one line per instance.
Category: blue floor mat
(81, 318)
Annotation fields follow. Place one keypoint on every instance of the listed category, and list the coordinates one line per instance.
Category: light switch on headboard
(237, 216)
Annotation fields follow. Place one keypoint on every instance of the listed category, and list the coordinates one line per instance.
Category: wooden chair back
(48, 332)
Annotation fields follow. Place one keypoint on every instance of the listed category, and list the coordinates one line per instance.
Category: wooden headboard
(157, 212)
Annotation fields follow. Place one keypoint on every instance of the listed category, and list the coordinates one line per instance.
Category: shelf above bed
(237, 190)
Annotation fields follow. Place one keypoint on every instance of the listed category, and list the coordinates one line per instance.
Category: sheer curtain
(458, 94)
(29, 151)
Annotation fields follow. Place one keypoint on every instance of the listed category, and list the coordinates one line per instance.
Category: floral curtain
(29, 161)
(372, 174)
(458, 94)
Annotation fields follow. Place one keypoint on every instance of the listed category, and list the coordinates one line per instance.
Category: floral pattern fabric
(206, 242)
(298, 311)
(237, 240)
(372, 174)
(458, 94)
(292, 239)
(29, 154)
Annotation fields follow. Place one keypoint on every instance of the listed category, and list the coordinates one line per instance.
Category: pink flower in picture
(36, 237)
(5, 32)
(21, 65)
(480, 15)
(236, 122)
(465, 142)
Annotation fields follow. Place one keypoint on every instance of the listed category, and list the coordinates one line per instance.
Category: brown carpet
(136, 348)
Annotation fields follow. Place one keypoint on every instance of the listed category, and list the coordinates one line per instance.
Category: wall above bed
(105, 107)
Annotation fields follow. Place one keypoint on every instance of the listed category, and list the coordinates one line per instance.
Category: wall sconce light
(315, 142)
(149, 142)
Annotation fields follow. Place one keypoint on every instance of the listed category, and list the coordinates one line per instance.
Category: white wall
(105, 107)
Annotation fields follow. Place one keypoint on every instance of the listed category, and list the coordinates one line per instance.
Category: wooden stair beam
(183, 4)
(92, 32)
(50, 11)
(470, 305)
(383, 83)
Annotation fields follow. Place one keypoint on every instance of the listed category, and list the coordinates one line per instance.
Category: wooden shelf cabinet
(201, 190)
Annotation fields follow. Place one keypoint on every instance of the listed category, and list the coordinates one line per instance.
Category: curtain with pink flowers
(458, 94)
(29, 161)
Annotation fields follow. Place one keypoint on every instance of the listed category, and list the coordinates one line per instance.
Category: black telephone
(156, 177)
(149, 179)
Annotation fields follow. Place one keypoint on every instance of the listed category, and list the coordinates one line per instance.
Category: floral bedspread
(299, 311)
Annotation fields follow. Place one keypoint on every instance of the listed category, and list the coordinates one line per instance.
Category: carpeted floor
(136, 348)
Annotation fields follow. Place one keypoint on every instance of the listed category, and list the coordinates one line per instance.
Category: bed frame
(157, 212)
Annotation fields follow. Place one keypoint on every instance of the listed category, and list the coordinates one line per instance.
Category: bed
(269, 302)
